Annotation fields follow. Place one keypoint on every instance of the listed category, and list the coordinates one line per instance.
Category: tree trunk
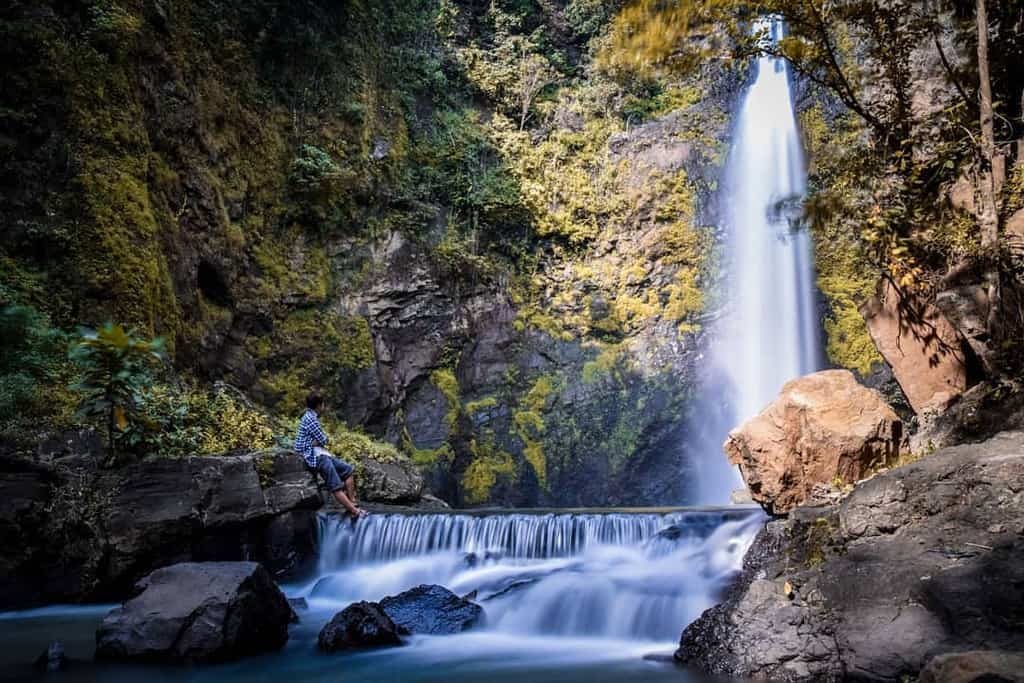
(988, 212)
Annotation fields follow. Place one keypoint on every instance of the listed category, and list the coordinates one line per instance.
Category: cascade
(637, 576)
(769, 333)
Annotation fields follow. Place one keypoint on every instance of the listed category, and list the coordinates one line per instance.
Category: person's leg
(346, 473)
(350, 488)
(326, 467)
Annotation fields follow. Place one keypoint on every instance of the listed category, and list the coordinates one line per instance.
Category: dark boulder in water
(433, 610)
(52, 658)
(198, 612)
(360, 625)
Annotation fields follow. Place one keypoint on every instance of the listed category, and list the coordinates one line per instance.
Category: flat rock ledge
(920, 561)
(198, 612)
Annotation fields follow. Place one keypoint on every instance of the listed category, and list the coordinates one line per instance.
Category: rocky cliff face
(919, 561)
(344, 196)
(78, 533)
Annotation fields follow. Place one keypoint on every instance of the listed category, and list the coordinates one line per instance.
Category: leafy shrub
(30, 359)
(114, 366)
(191, 421)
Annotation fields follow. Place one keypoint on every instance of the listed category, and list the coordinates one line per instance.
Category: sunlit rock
(822, 428)
(921, 345)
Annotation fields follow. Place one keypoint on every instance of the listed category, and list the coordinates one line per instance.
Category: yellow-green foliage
(312, 345)
(845, 275)
(474, 407)
(483, 472)
(605, 365)
(285, 270)
(444, 379)
(194, 421)
(567, 182)
(529, 425)
(354, 447)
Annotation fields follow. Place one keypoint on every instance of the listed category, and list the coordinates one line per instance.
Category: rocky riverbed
(918, 561)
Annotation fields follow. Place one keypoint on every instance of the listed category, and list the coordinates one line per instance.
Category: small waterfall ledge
(626, 576)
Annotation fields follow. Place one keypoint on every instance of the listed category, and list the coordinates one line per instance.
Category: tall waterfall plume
(770, 333)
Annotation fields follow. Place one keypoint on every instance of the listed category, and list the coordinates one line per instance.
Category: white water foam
(770, 333)
(632, 577)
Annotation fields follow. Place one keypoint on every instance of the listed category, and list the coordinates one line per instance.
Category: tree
(535, 74)
(114, 366)
(987, 183)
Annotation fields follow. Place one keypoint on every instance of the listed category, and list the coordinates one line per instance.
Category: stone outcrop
(393, 482)
(918, 561)
(433, 610)
(822, 428)
(78, 533)
(198, 612)
(924, 349)
(977, 666)
(981, 412)
(360, 625)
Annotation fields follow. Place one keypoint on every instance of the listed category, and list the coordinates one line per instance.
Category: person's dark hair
(314, 401)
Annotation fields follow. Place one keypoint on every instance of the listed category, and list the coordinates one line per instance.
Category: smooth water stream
(567, 597)
(770, 333)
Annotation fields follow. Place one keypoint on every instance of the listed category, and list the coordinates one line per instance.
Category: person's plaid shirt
(310, 435)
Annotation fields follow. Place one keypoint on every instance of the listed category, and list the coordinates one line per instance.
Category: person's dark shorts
(334, 471)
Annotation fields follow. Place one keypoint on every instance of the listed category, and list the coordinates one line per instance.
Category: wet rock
(52, 658)
(822, 427)
(977, 666)
(431, 609)
(360, 625)
(198, 612)
(926, 353)
(393, 481)
(919, 560)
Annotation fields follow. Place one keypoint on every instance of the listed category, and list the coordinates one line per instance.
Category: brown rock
(821, 427)
(977, 665)
(920, 344)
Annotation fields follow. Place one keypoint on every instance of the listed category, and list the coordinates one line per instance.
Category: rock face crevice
(918, 561)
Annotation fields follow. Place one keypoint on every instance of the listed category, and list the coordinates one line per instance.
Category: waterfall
(628, 576)
(770, 332)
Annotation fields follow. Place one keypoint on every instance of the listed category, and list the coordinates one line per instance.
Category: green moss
(312, 346)
(474, 407)
(604, 366)
(529, 426)
(488, 465)
(444, 379)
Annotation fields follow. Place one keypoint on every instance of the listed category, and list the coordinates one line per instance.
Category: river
(571, 596)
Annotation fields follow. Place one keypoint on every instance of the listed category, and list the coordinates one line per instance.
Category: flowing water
(770, 333)
(567, 597)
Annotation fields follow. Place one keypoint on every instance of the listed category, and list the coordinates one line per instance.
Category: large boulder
(198, 612)
(431, 609)
(822, 428)
(976, 666)
(360, 625)
(918, 561)
(927, 354)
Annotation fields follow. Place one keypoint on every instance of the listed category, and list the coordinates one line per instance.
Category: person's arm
(318, 433)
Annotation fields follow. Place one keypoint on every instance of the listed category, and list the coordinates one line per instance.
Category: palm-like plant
(114, 366)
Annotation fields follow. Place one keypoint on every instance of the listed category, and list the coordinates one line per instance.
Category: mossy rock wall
(345, 196)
